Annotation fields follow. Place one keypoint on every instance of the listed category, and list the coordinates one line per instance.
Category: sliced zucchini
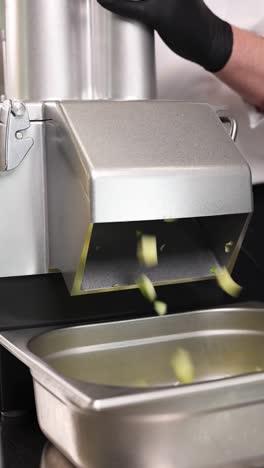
(182, 366)
(160, 308)
(228, 246)
(226, 282)
(146, 288)
(147, 253)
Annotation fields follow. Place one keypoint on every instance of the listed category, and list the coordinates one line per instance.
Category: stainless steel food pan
(91, 407)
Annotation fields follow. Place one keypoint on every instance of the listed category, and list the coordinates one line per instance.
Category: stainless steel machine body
(91, 406)
(70, 49)
(106, 167)
(74, 49)
(78, 175)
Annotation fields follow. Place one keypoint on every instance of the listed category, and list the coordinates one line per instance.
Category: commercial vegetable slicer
(89, 158)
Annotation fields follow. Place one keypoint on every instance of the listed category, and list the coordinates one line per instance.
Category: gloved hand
(188, 27)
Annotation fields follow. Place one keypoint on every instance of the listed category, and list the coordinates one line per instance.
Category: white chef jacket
(183, 80)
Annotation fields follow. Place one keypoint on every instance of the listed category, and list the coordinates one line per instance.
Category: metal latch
(14, 143)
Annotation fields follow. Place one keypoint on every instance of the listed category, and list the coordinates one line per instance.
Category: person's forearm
(193, 31)
(244, 71)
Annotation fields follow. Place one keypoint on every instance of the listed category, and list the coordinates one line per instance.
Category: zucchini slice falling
(160, 307)
(226, 282)
(182, 366)
(146, 288)
(228, 247)
(147, 252)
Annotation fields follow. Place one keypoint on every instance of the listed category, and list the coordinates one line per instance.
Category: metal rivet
(18, 109)
(19, 135)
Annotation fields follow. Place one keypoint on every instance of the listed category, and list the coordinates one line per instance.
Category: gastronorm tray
(92, 406)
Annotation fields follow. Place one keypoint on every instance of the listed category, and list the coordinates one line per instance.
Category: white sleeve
(256, 117)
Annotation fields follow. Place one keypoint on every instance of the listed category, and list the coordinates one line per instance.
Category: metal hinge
(14, 142)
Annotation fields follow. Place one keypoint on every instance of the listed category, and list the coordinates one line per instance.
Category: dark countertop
(23, 445)
(21, 442)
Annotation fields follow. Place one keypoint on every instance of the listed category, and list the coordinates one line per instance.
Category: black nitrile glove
(188, 27)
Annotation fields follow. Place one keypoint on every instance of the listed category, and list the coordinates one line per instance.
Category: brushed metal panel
(24, 235)
(157, 159)
(104, 425)
(75, 49)
(119, 162)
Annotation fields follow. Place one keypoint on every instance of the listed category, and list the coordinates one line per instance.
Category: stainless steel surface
(35, 111)
(211, 423)
(2, 14)
(44, 49)
(146, 171)
(159, 171)
(52, 458)
(2, 58)
(121, 59)
(15, 139)
(109, 162)
(143, 151)
(66, 196)
(24, 233)
(128, 162)
(214, 356)
(74, 49)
